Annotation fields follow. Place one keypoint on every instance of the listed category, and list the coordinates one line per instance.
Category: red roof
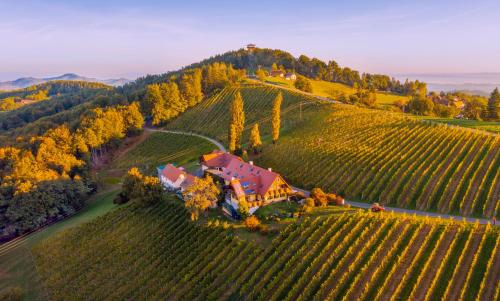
(251, 178)
(173, 173)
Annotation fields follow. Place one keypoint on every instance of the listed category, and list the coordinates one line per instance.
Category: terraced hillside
(156, 254)
(368, 155)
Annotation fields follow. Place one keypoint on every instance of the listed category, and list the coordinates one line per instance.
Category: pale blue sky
(131, 38)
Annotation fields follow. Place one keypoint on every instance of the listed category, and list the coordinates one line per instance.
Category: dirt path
(460, 276)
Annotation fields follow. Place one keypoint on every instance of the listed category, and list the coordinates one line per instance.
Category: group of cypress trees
(237, 125)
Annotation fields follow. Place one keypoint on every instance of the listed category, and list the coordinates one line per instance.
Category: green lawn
(17, 268)
(490, 126)
(333, 90)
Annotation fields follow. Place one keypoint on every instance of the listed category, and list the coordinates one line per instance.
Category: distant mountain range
(24, 82)
(472, 83)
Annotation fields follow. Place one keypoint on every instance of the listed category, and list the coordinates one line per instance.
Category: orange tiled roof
(251, 178)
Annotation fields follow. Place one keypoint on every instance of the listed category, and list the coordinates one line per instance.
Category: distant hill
(30, 81)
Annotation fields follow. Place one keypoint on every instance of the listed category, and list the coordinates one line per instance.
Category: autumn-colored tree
(261, 74)
(255, 142)
(232, 138)
(274, 67)
(132, 117)
(276, 117)
(237, 118)
(152, 99)
(199, 196)
(243, 209)
(252, 223)
(319, 197)
(145, 190)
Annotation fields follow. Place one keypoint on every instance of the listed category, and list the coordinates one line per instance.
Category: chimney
(270, 169)
(251, 162)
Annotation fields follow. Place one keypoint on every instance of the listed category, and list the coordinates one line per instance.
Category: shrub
(319, 197)
(252, 223)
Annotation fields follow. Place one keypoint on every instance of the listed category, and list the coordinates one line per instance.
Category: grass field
(17, 268)
(162, 148)
(367, 155)
(156, 254)
(489, 126)
(333, 90)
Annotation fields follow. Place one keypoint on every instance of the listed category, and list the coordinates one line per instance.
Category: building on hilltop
(245, 181)
(277, 73)
(251, 47)
(174, 179)
(290, 76)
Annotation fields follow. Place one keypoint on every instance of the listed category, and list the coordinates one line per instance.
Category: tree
(243, 209)
(200, 195)
(145, 190)
(231, 138)
(153, 96)
(255, 142)
(494, 104)
(303, 84)
(252, 223)
(473, 109)
(276, 117)
(319, 197)
(237, 119)
(132, 117)
(261, 74)
(421, 106)
(274, 67)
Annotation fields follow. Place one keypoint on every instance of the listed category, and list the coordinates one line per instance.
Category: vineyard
(367, 155)
(155, 253)
(161, 148)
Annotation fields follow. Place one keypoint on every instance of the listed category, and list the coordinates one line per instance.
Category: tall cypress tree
(237, 118)
(276, 117)
(255, 142)
(493, 104)
(231, 138)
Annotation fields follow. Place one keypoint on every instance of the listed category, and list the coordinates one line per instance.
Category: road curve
(354, 204)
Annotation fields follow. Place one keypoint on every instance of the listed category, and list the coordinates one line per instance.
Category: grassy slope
(17, 267)
(155, 253)
(340, 147)
(162, 148)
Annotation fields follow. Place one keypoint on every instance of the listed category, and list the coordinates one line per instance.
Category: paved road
(410, 211)
(354, 204)
(215, 142)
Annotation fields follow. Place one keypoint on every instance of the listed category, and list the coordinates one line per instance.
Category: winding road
(353, 204)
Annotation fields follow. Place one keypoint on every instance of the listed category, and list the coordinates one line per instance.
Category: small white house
(290, 76)
(173, 178)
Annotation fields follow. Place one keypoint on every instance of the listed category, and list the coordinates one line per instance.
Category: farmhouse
(245, 181)
(277, 73)
(290, 76)
(174, 178)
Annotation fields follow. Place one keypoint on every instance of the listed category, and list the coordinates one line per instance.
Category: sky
(110, 39)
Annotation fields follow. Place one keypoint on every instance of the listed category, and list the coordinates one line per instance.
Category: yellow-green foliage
(156, 252)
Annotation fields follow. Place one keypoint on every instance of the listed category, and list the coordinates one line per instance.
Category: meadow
(333, 90)
(365, 154)
(155, 253)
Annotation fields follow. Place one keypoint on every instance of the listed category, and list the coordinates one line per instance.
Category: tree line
(312, 68)
(47, 176)
(166, 100)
